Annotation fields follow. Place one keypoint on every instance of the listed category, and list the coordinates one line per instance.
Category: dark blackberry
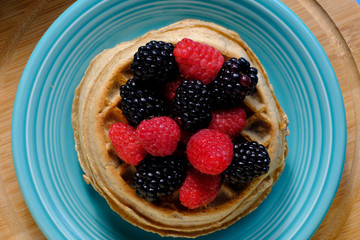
(192, 104)
(156, 177)
(250, 160)
(155, 62)
(235, 80)
(139, 102)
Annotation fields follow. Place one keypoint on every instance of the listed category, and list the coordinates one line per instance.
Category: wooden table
(335, 23)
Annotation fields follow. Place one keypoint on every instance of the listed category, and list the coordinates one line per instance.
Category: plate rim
(18, 109)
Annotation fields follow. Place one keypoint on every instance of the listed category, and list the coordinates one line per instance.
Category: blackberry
(235, 80)
(192, 104)
(155, 62)
(156, 177)
(250, 160)
(139, 102)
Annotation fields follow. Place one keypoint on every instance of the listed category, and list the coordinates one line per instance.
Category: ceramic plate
(304, 82)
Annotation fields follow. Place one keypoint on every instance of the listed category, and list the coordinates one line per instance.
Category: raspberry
(126, 144)
(155, 62)
(156, 177)
(230, 121)
(199, 189)
(210, 151)
(170, 88)
(159, 136)
(198, 61)
(234, 82)
(250, 160)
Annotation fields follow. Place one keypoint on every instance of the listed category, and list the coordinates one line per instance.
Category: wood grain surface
(335, 23)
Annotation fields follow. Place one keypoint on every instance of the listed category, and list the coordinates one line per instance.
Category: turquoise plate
(46, 163)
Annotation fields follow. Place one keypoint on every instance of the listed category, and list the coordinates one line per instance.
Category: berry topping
(198, 61)
(230, 121)
(234, 82)
(186, 106)
(192, 105)
(155, 62)
(159, 136)
(250, 160)
(199, 189)
(138, 102)
(210, 151)
(126, 144)
(156, 177)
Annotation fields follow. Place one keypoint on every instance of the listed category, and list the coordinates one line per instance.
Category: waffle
(95, 108)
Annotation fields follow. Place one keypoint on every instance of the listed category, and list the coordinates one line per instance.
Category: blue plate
(46, 163)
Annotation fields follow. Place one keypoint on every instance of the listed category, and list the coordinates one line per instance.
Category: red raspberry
(210, 151)
(170, 88)
(230, 121)
(126, 144)
(198, 61)
(159, 136)
(199, 189)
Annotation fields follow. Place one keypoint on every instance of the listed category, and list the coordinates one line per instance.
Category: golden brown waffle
(95, 108)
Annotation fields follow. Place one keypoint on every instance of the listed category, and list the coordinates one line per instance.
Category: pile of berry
(183, 107)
